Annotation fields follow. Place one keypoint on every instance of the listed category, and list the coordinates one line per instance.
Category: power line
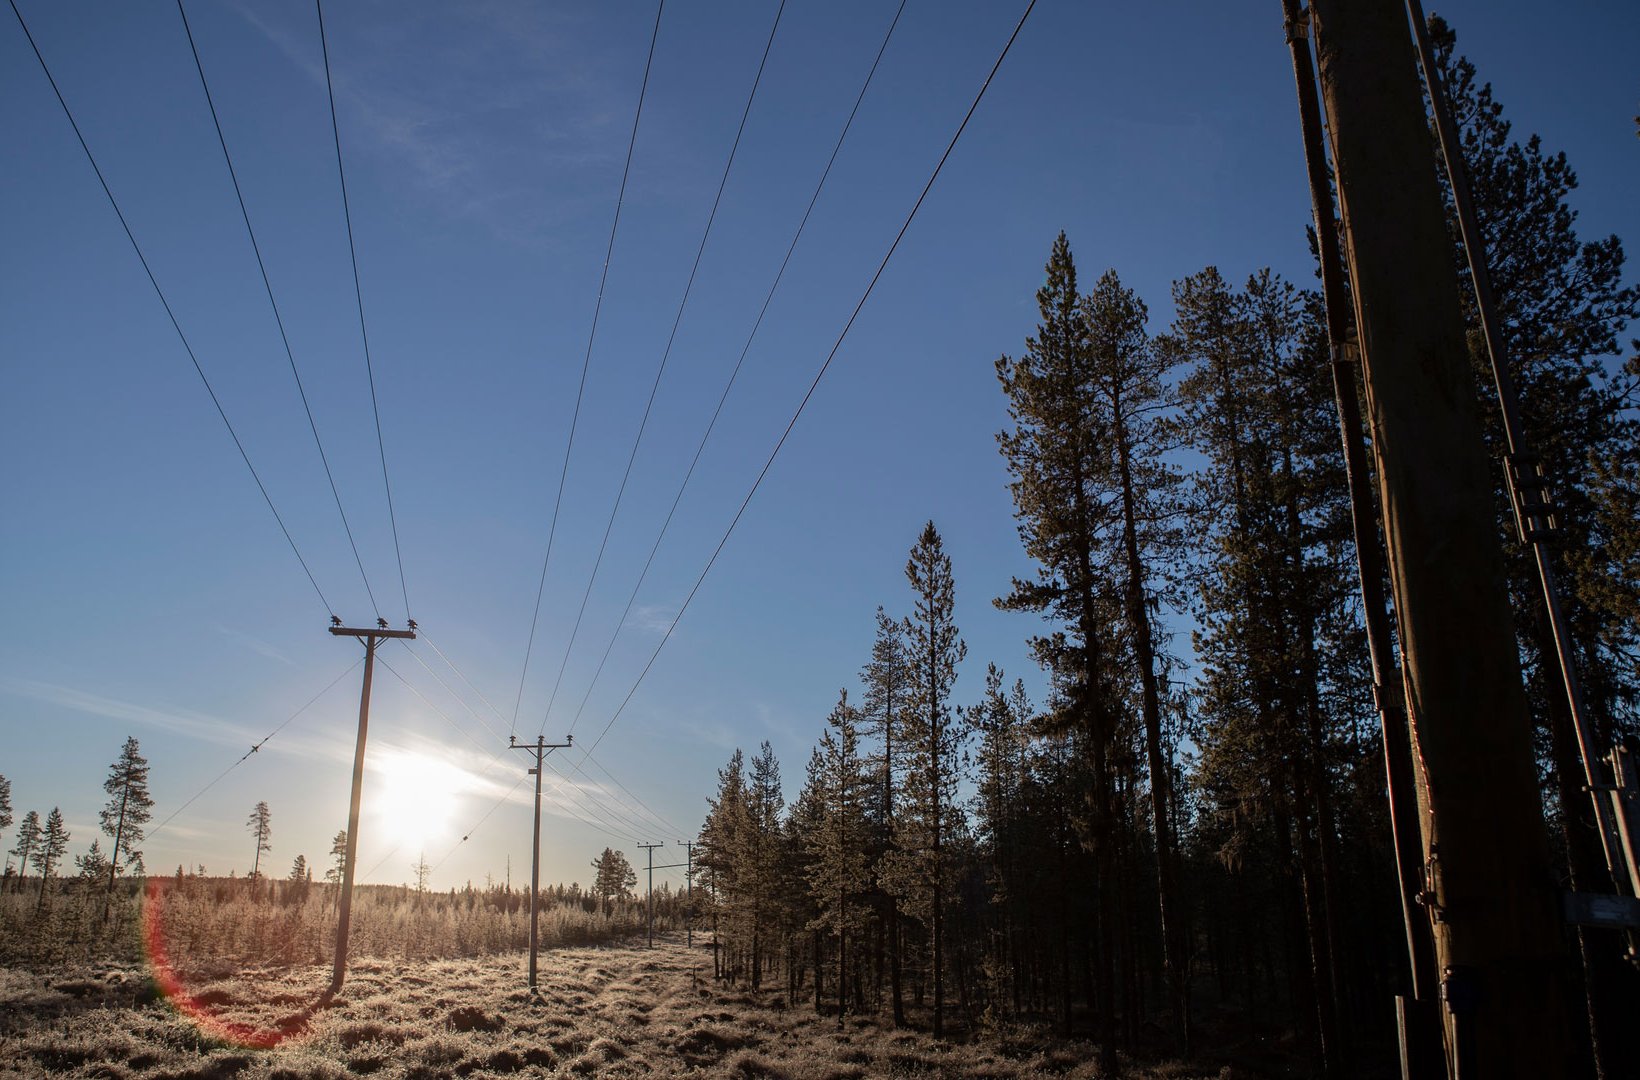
(819, 375)
(586, 362)
(256, 746)
(358, 295)
(496, 756)
(620, 623)
(660, 370)
(631, 817)
(493, 808)
(658, 819)
(439, 679)
(166, 304)
(278, 319)
(627, 818)
(460, 675)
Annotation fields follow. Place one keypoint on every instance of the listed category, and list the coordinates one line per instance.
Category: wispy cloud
(654, 619)
(490, 110)
(181, 721)
(254, 644)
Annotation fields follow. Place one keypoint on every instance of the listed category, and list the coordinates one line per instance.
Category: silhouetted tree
(921, 872)
(92, 865)
(837, 844)
(261, 829)
(49, 852)
(28, 839)
(129, 808)
(338, 857)
(1055, 460)
(614, 878)
(887, 704)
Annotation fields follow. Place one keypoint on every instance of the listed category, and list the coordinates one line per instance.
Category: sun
(413, 802)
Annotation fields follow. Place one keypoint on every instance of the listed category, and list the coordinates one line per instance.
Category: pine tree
(933, 745)
(1002, 722)
(5, 804)
(92, 865)
(803, 825)
(129, 808)
(261, 829)
(762, 877)
(28, 839)
(422, 871)
(887, 701)
(299, 869)
(723, 840)
(614, 878)
(338, 857)
(1055, 459)
(49, 852)
(1129, 382)
(1272, 507)
(837, 871)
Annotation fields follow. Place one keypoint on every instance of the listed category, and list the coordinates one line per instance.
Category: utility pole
(1488, 878)
(540, 748)
(1416, 1006)
(689, 889)
(649, 891)
(344, 916)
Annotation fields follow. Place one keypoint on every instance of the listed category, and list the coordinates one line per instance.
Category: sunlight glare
(414, 801)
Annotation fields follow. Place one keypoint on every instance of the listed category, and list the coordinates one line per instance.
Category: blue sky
(148, 588)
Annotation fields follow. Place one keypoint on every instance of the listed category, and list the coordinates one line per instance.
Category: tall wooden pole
(1420, 1041)
(540, 748)
(649, 892)
(344, 916)
(1489, 879)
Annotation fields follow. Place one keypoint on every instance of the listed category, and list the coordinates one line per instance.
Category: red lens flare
(201, 1014)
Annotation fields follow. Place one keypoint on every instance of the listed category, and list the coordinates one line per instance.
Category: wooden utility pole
(1488, 878)
(689, 889)
(1416, 1006)
(540, 748)
(649, 891)
(344, 916)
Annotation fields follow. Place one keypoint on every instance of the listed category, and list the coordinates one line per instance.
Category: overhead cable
(586, 362)
(660, 370)
(278, 319)
(166, 304)
(620, 623)
(819, 375)
(358, 295)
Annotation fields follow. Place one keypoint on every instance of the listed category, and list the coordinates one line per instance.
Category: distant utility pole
(689, 888)
(1488, 877)
(649, 891)
(540, 748)
(344, 917)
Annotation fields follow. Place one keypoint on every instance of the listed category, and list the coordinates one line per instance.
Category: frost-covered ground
(620, 1011)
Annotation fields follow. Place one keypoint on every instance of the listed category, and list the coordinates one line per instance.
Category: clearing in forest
(620, 1011)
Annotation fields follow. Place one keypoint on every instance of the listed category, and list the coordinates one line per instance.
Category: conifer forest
(1308, 750)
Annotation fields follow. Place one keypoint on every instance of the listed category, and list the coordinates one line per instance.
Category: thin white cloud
(254, 644)
(654, 619)
(533, 109)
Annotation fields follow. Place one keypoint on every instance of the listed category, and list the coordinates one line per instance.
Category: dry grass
(620, 1011)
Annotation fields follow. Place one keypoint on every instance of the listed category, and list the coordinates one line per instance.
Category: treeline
(1176, 840)
(206, 923)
